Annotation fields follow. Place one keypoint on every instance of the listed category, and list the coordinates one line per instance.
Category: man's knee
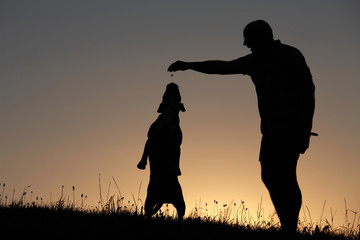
(268, 177)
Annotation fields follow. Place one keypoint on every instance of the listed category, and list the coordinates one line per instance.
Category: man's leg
(280, 179)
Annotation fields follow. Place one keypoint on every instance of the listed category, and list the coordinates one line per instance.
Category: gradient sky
(81, 82)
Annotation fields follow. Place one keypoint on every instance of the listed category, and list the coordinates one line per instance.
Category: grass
(116, 217)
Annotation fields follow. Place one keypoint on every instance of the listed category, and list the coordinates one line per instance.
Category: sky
(81, 82)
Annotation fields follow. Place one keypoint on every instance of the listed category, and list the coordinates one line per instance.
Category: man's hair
(258, 29)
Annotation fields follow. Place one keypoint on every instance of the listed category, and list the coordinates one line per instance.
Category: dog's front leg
(143, 161)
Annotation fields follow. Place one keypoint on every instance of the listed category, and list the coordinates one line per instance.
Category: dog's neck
(171, 113)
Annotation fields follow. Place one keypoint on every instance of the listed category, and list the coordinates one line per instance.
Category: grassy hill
(19, 222)
(115, 218)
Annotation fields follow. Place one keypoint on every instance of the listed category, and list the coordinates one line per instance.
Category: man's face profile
(257, 35)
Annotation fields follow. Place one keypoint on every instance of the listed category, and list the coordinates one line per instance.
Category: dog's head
(171, 101)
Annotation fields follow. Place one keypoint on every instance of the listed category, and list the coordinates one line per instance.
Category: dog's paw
(141, 165)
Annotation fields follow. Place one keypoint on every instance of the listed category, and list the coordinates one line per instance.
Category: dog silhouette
(163, 150)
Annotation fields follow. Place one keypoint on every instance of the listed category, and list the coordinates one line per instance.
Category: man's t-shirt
(284, 88)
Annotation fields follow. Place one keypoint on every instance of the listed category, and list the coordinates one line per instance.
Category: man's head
(257, 35)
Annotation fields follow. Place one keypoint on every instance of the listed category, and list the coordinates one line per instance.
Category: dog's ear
(181, 107)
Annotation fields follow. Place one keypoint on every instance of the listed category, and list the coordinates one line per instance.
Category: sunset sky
(81, 82)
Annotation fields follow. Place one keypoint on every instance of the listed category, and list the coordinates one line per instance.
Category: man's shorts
(278, 157)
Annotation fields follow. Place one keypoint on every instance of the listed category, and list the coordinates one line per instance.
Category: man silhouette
(286, 102)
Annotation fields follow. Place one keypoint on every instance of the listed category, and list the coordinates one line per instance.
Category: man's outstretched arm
(210, 67)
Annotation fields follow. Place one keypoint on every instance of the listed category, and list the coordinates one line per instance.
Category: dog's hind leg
(151, 207)
(157, 207)
(180, 208)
